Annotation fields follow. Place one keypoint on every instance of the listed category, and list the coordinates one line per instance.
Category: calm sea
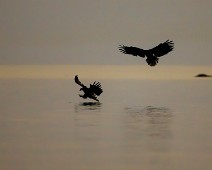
(148, 124)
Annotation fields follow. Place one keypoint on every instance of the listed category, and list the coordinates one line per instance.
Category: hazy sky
(89, 31)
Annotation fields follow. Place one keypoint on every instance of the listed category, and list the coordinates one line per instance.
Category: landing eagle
(151, 54)
(92, 92)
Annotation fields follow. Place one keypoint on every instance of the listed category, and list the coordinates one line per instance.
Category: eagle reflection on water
(88, 106)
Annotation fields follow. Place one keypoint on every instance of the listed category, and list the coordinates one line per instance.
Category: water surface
(138, 124)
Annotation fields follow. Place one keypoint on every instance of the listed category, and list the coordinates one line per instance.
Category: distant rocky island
(203, 75)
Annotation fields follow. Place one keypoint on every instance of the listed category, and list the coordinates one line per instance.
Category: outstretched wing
(96, 88)
(78, 82)
(162, 49)
(132, 50)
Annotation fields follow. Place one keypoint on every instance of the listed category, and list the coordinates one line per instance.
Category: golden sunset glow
(101, 72)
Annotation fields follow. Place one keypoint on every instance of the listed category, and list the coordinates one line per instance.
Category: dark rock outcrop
(203, 75)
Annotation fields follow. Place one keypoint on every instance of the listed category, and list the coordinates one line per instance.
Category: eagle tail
(152, 61)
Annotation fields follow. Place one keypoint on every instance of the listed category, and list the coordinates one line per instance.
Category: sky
(78, 32)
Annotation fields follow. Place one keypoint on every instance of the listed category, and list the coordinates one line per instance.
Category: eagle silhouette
(151, 54)
(92, 92)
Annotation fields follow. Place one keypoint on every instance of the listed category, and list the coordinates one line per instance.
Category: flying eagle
(92, 92)
(151, 54)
